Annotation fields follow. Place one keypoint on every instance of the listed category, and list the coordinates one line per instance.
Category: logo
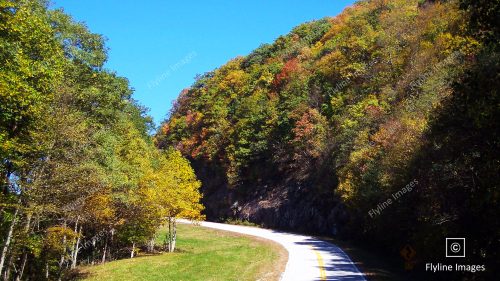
(455, 247)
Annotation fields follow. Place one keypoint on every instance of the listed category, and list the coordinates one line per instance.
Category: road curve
(309, 259)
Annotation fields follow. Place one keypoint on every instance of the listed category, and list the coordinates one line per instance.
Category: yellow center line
(322, 273)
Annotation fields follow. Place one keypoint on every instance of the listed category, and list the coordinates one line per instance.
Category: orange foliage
(388, 134)
(304, 127)
(165, 128)
(309, 134)
(290, 67)
(374, 111)
(192, 118)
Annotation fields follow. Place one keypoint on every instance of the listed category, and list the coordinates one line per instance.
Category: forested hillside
(392, 99)
(81, 180)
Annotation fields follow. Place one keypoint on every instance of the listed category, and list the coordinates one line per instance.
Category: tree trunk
(75, 246)
(151, 245)
(8, 240)
(76, 250)
(61, 262)
(172, 234)
(133, 250)
(110, 257)
(93, 249)
(169, 239)
(24, 259)
(105, 249)
(23, 265)
(9, 267)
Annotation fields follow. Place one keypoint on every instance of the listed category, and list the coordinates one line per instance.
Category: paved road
(309, 259)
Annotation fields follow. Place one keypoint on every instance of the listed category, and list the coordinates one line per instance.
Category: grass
(241, 222)
(203, 254)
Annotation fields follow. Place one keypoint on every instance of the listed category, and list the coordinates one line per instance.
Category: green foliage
(80, 176)
(240, 222)
(31, 64)
(79, 45)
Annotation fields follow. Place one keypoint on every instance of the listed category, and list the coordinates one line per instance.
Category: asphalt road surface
(309, 258)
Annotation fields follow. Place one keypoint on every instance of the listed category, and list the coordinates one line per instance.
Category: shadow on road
(336, 264)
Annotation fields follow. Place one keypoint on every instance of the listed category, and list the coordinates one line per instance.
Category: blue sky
(160, 46)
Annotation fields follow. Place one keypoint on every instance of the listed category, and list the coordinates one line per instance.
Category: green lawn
(204, 254)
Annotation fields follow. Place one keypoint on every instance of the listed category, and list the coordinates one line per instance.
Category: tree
(75, 151)
(174, 191)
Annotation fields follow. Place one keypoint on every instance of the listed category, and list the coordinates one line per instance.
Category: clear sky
(160, 46)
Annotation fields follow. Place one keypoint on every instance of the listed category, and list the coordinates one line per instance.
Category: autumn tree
(76, 155)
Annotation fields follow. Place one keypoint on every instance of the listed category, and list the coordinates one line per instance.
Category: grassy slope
(204, 254)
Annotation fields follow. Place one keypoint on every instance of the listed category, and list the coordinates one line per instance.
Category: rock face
(281, 203)
(296, 214)
(288, 207)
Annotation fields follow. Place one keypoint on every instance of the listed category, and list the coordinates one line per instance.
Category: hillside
(380, 124)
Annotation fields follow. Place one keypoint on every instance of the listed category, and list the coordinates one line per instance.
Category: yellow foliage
(59, 238)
